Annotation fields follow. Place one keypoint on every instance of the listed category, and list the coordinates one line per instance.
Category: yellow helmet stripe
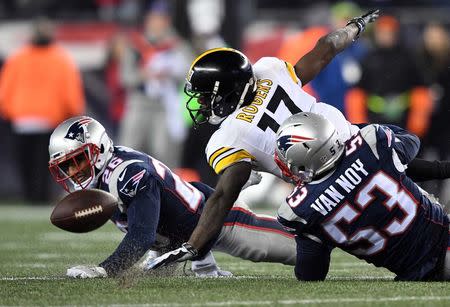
(208, 52)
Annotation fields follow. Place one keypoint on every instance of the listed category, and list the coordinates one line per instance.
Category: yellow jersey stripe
(231, 159)
(217, 153)
(208, 52)
(291, 71)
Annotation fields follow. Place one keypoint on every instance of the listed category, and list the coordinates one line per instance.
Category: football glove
(86, 271)
(211, 271)
(363, 20)
(183, 253)
(207, 267)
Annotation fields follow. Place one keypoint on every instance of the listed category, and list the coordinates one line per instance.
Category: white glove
(211, 271)
(207, 267)
(86, 271)
(183, 253)
(148, 257)
(255, 178)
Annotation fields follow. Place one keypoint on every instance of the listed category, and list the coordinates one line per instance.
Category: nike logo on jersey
(122, 175)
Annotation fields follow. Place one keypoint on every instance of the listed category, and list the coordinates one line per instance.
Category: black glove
(363, 20)
(183, 253)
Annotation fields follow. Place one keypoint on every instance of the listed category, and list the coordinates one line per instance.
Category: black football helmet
(219, 81)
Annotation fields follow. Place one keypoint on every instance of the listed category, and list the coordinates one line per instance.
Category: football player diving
(355, 195)
(157, 209)
(250, 102)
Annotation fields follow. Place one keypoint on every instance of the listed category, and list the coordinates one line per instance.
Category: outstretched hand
(183, 253)
(86, 271)
(371, 16)
(363, 20)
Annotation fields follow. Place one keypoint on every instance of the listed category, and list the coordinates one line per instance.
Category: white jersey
(249, 133)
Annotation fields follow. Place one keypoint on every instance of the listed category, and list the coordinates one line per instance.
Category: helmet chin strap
(215, 119)
(108, 156)
(244, 92)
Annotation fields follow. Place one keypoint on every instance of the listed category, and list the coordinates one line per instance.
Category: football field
(34, 256)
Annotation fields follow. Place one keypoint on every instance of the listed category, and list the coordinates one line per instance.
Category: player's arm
(406, 144)
(219, 203)
(422, 170)
(328, 46)
(143, 215)
(418, 169)
(211, 220)
(313, 259)
(120, 220)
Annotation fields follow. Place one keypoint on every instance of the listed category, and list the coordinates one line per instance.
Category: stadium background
(35, 255)
(86, 29)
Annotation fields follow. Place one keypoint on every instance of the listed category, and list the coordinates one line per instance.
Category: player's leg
(258, 238)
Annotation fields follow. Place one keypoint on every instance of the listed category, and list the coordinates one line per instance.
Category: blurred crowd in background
(124, 63)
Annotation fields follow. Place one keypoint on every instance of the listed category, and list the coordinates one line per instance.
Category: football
(84, 210)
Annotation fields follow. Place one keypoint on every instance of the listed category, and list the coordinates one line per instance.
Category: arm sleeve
(313, 259)
(422, 170)
(143, 216)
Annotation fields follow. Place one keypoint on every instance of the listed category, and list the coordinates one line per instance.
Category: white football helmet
(308, 145)
(75, 140)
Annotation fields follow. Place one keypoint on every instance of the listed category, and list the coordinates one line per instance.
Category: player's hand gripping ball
(84, 210)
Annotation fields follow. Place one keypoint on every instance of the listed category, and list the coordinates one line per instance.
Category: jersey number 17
(268, 121)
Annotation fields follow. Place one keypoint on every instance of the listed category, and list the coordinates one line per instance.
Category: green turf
(34, 256)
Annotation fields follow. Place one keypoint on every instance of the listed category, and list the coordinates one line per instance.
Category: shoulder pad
(368, 133)
(378, 137)
(277, 65)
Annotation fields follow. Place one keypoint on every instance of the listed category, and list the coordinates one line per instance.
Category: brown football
(84, 210)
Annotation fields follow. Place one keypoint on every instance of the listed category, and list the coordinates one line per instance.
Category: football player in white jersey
(250, 102)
